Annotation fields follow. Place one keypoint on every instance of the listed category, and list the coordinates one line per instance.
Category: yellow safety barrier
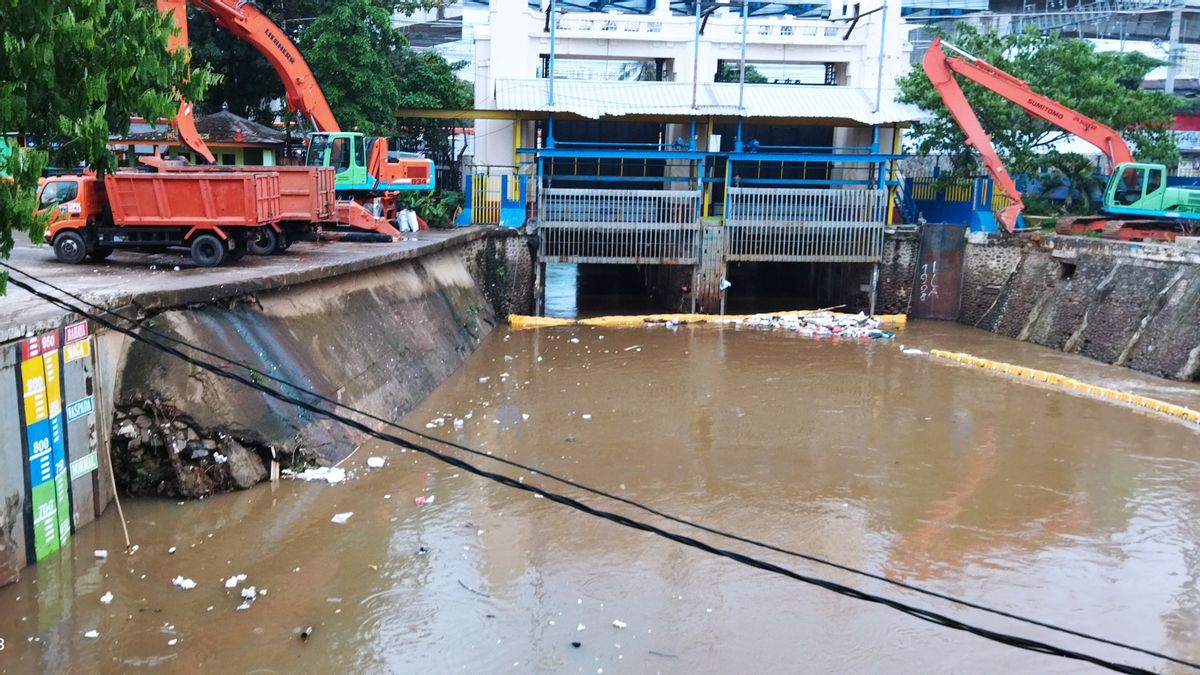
(1071, 384)
(637, 321)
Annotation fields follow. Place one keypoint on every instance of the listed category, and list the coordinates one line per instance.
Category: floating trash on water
(617, 623)
(484, 379)
(818, 324)
(106, 598)
(375, 462)
(234, 580)
(249, 593)
(574, 340)
(243, 607)
(587, 416)
(329, 474)
(100, 553)
(580, 627)
(422, 500)
(340, 518)
(183, 583)
(171, 551)
(458, 423)
(173, 641)
(92, 634)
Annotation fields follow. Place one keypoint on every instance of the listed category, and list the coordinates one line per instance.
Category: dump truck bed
(234, 199)
(306, 193)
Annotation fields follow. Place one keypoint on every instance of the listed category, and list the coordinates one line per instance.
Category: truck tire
(208, 250)
(238, 251)
(265, 242)
(284, 243)
(69, 247)
(100, 253)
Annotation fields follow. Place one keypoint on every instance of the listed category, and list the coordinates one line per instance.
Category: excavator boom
(251, 25)
(941, 69)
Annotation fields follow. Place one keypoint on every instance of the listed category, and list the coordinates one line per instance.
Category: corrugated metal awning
(596, 99)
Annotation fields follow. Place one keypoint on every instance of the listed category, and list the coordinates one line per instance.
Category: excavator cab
(358, 167)
(1136, 187)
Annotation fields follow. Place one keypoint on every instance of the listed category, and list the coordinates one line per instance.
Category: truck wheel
(100, 252)
(208, 250)
(284, 243)
(263, 243)
(69, 247)
(238, 251)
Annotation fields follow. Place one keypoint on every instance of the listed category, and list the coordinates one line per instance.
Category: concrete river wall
(370, 327)
(1123, 303)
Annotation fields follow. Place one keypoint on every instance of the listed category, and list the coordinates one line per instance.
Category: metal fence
(805, 225)
(619, 226)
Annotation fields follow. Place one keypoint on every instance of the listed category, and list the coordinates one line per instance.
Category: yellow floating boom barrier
(1060, 381)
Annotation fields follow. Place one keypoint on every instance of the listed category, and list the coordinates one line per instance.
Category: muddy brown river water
(1067, 509)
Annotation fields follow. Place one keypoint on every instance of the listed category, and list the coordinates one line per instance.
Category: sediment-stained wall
(1135, 305)
(379, 340)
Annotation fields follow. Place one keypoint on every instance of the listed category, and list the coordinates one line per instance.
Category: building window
(228, 159)
(253, 156)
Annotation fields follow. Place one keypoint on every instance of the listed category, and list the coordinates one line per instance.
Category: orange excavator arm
(184, 122)
(251, 25)
(941, 69)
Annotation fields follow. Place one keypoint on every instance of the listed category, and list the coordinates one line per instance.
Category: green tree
(71, 73)
(353, 51)
(249, 84)
(1105, 86)
(427, 81)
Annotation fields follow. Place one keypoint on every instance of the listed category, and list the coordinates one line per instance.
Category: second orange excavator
(1138, 204)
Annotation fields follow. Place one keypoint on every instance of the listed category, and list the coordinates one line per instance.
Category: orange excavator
(1138, 204)
(367, 176)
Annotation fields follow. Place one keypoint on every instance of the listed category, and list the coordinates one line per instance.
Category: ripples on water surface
(1067, 509)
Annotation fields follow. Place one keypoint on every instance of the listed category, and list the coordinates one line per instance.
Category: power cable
(923, 614)
(614, 497)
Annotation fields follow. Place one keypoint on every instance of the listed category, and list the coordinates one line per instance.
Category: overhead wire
(829, 585)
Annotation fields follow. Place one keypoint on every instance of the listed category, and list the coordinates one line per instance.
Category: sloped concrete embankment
(1135, 305)
(379, 340)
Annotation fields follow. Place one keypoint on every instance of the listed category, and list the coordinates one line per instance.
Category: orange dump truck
(215, 215)
(307, 198)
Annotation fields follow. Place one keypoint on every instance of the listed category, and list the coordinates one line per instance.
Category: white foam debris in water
(249, 593)
(171, 550)
(184, 583)
(329, 474)
(818, 324)
(587, 416)
(340, 518)
(375, 462)
(106, 598)
(914, 352)
(234, 580)
(617, 623)
(580, 627)
(100, 553)
(92, 634)
(173, 641)
(243, 607)
(484, 379)
(458, 423)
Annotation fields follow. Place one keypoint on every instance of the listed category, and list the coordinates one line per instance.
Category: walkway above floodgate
(171, 279)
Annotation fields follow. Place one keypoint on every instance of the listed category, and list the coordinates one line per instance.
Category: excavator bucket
(185, 126)
(1008, 217)
(353, 214)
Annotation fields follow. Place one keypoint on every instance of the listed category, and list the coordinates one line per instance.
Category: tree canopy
(249, 82)
(71, 73)
(1105, 86)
